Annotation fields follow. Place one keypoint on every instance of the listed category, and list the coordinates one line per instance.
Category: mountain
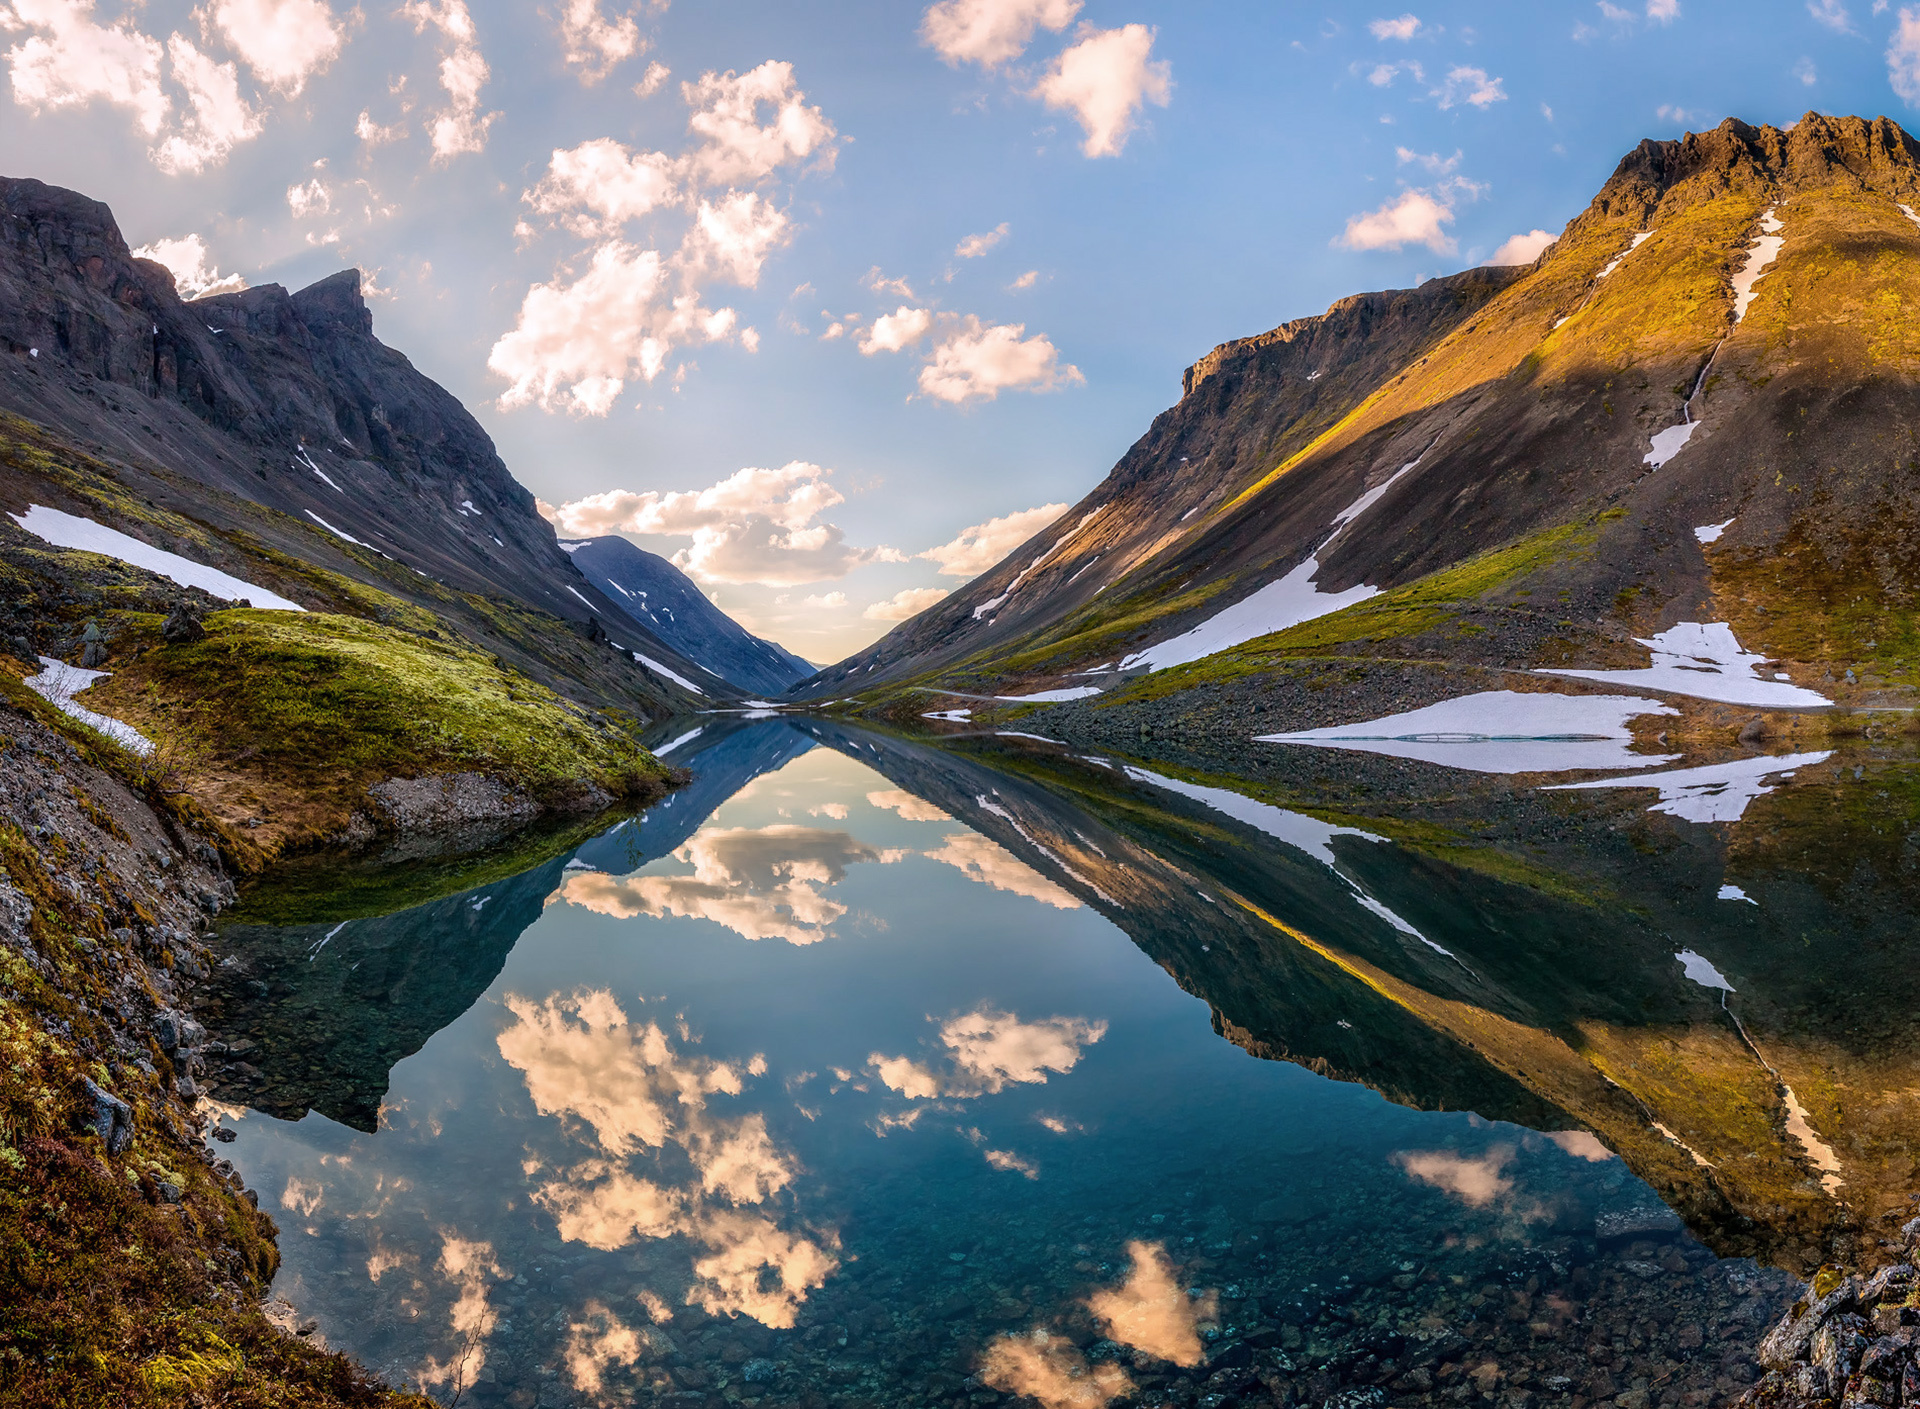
(658, 598)
(216, 409)
(1699, 405)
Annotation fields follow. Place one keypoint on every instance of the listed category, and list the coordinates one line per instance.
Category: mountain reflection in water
(852, 1074)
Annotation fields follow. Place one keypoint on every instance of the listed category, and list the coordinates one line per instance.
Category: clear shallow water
(866, 1073)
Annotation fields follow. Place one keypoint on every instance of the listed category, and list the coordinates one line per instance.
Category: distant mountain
(659, 598)
(1697, 406)
(287, 401)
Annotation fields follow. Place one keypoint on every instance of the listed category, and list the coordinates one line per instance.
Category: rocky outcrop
(1848, 1341)
(443, 801)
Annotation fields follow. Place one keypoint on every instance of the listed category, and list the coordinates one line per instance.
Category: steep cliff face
(1719, 343)
(286, 401)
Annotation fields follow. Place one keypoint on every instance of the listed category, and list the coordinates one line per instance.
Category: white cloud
(974, 362)
(1412, 218)
(575, 345)
(653, 80)
(1903, 55)
(1470, 85)
(309, 199)
(990, 32)
(1026, 280)
(218, 119)
(187, 260)
(284, 42)
(1832, 14)
(757, 525)
(881, 284)
(906, 603)
(1403, 28)
(973, 550)
(1806, 72)
(601, 184)
(1105, 77)
(375, 135)
(828, 601)
(1663, 11)
(594, 42)
(1522, 249)
(896, 331)
(70, 61)
(460, 127)
(731, 239)
(976, 245)
(982, 859)
(735, 144)
(1432, 161)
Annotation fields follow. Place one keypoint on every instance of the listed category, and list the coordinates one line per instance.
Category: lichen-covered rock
(446, 800)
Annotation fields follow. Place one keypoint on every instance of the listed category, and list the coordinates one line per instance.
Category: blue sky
(735, 179)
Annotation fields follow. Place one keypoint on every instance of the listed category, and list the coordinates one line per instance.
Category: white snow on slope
(1704, 660)
(1372, 496)
(567, 547)
(337, 532)
(1638, 240)
(1501, 731)
(1287, 602)
(1702, 972)
(1668, 443)
(952, 716)
(651, 664)
(1710, 532)
(997, 602)
(71, 531)
(1735, 893)
(1077, 692)
(57, 684)
(1303, 833)
(583, 600)
(1715, 792)
(1759, 257)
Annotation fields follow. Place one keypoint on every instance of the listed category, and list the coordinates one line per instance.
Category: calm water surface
(865, 1072)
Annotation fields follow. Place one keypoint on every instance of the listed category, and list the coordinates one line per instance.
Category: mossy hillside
(296, 714)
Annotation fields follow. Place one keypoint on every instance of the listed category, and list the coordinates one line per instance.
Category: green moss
(317, 701)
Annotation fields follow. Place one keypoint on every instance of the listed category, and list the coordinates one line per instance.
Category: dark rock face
(1856, 1344)
(657, 597)
(286, 400)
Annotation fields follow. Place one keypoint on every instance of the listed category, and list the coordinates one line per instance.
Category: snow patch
(57, 684)
(651, 664)
(1704, 660)
(1372, 496)
(1702, 972)
(685, 738)
(1280, 604)
(567, 547)
(1668, 443)
(1638, 240)
(1710, 532)
(1501, 731)
(64, 530)
(583, 600)
(952, 716)
(996, 603)
(1735, 893)
(1759, 257)
(1077, 692)
(337, 532)
(1715, 792)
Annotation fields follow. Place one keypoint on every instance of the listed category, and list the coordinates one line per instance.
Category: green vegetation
(304, 711)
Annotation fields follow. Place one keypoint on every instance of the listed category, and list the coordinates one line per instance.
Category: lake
(880, 1070)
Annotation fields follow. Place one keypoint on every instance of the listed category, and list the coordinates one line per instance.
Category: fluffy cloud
(460, 127)
(990, 32)
(595, 43)
(1522, 249)
(1403, 28)
(217, 120)
(761, 883)
(188, 261)
(1903, 56)
(1413, 217)
(982, 859)
(469, 1266)
(991, 1050)
(973, 550)
(731, 238)
(1151, 1311)
(756, 525)
(600, 185)
(1105, 77)
(1663, 11)
(904, 604)
(1832, 14)
(575, 345)
(976, 245)
(1432, 161)
(597, 1342)
(1470, 85)
(974, 362)
(309, 198)
(896, 331)
(909, 807)
(1475, 1182)
(736, 145)
(71, 61)
(284, 42)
